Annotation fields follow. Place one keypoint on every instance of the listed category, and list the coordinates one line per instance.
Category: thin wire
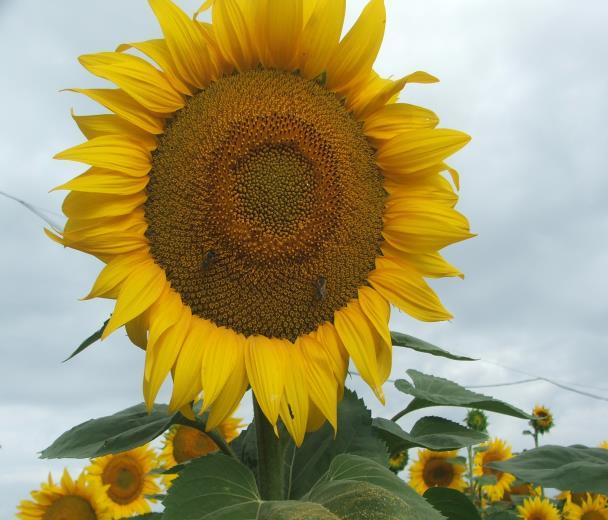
(511, 383)
(38, 211)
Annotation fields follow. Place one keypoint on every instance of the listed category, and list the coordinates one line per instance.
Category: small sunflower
(434, 469)
(260, 199)
(492, 451)
(604, 444)
(538, 509)
(398, 460)
(125, 477)
(589, 508)
(543, 419)
(69, 500)
(183, 443)
(477, 420)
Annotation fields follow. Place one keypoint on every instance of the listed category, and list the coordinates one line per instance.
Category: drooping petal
(138, 78)
(328, 337)
(187, 374)
(158, 51)
(162, 354)
(112, 152)
(165, 313)
(137, 330)
(138, 291)
(111, 124)
(406, 289)
(295, 402)
(223, 349)
(321, 36)
(265, 359)
(320, 380)
(418, 149)
(230, 396)
(186, 44)
(101, 180)
(114, 273)
(377, 310)
(353, 60)
(124, 106)
(356, 333)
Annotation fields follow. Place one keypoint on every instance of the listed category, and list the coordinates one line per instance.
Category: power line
(41, 213)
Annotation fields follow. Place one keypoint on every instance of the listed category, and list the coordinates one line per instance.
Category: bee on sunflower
(70, 499)
(437, 469)
(259, 199)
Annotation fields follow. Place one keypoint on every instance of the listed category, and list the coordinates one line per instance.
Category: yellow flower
(434, 469)
(604, 444)
(538, 509)
(125, 477)
(589, 508)
(543, 421)
(73, 500)
(492, 451)
(259, 200)
(183, 443)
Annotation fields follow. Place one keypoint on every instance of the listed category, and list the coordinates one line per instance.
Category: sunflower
(477, 420)
(435, 469)
(260, 199)
(538, 509)
(76, 500)
(398, 459)
(589, 508)
(492, 451)
(604, 444)
(125, 477)
(543, 419)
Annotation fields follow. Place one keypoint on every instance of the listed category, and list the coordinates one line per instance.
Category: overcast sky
(528, 80)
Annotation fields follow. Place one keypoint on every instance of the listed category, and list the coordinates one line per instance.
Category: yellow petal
(83, 228)
(109, 245)
(281, 27)
(321, 36)
(322, 386)
(265, 360)
(378, 312)
(112, 152)
(315, 418)
(397, 118)
(420, 190)
(187, 376)
(162, 354)
(137, 330)
(186, 44)
(230, 397)
(416, 227)
(139, 290)
(158, 51)
(406, 289)
(429, 265)
(165, 313)
(94, 205)
(119, 102)
(111, 124)
(223, 349)
(138, 78)
(114, 273)
(356, 333)
(328, 337)
(295, 402)
(101, 180)
(356, 53)
(231, 29)
(206, 5)
(419, 149)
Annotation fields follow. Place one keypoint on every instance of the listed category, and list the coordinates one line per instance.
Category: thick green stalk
(270, 456)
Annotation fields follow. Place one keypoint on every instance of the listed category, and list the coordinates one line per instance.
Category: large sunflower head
(492, 451)
(543, 419)
(126, 480)
(74, 499)
(437, 469)
(538, 509)
(260, 199)
(589, 507)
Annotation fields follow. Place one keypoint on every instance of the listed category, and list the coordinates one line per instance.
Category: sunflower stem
(270, 461)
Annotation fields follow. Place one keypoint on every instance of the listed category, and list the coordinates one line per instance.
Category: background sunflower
(437, 469)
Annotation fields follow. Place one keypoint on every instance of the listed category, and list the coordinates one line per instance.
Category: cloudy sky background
(527, 80)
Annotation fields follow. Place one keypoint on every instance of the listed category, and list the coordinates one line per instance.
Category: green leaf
(148, 516)
(575, 468)
(437, 391)
(433, 433)
(419, 345)
(96, 336)
(355, 435)
(452, 504)
(486, 480)
(357, 487)
(112, 434)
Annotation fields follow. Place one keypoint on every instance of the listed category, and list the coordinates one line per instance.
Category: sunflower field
(261, 200)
